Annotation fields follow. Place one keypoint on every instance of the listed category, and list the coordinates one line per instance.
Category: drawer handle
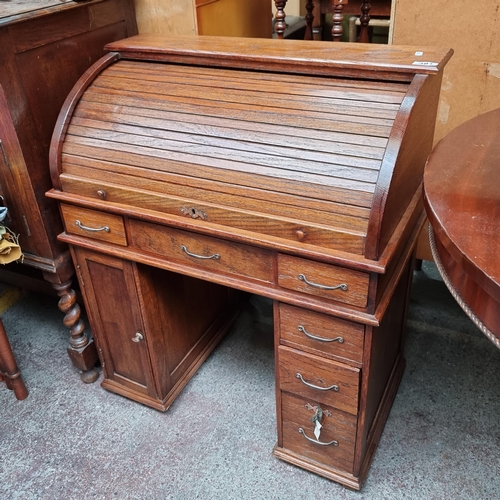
(315, 441)
(312, 386)
(343, 286)
(215, 256)
(340, 340)
(138, 337)
(93, 229)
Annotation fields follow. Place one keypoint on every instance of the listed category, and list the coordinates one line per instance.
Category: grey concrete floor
(71, 441)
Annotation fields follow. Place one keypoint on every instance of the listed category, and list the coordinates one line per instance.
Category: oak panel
(210, 253)
(311, 277)
(298, 326)
(94, 224)
(339, 426)
(320, 373)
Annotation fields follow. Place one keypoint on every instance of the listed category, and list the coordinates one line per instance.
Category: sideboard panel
(115, 312)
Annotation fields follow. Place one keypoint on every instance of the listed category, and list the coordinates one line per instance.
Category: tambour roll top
(307, 145)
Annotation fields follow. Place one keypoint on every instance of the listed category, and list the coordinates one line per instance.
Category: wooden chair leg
(8, 367)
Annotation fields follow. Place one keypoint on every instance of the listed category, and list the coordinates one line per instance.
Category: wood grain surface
(287, 55)
(461, 185)
(337, 425)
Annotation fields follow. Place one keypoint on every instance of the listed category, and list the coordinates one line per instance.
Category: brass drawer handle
(138, 337)
(312, 386)
(93, 229)
(315, 441)
(343, 286)
(340, 340)
(215, 256)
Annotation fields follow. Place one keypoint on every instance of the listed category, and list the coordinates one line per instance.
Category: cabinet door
(111, 298)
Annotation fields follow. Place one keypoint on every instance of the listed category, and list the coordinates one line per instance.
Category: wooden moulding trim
(357, 262)
(239, 282)
(117, 388)
(297, 56)
(336, 475)
(67, 110)
(389, 163)
(47, 265)
(324, 255)
(270, 66)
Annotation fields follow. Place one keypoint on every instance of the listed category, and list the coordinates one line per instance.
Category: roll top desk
(191, 169)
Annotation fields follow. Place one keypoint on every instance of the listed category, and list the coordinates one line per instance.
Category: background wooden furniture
(292, 170)
(43, 52)
(205, 17)
(9, 371)
(317, 9)
(462, 199)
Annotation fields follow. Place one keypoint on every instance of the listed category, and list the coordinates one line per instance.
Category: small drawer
(328, 382)
(336, 442)
(94, 224)
(320, 334)
(323, 280)
(202, 251)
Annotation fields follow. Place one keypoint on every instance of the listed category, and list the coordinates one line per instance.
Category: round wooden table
(462, 200)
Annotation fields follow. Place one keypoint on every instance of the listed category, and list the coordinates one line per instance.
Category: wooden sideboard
(45, 47)
(190, 167)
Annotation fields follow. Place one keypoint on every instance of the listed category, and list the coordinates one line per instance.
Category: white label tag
(424, 63)
(317, 429)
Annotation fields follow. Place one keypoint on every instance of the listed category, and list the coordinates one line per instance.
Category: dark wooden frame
(42, 54)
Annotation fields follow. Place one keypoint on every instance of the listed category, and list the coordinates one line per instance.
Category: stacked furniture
(187, 168)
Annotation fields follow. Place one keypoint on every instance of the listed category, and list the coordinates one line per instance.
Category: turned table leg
(81, 350)
(8, 367)
(309, 20)
(364, 36)
(280, 24)
(338, 17)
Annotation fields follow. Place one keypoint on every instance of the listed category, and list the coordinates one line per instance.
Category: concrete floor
(74, 441)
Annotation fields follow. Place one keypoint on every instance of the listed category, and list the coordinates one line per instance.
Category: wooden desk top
(320, 58)
(462, 191)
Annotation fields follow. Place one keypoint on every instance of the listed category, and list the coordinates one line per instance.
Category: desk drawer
(320, 334)
(336, 440)
(94, 224)
(328, 382)
(202, 251)
(323, 280)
